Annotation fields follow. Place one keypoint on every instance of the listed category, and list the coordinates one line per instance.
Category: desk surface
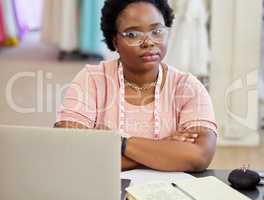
(257, 194)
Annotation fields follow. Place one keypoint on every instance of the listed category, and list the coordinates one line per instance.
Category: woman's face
(142, 17)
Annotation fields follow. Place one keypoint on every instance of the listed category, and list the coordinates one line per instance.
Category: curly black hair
(113, 8)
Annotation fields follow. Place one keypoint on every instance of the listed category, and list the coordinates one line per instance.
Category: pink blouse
(93, 100)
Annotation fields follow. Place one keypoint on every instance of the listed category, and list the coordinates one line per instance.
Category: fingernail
(183, 139)
(195, 135)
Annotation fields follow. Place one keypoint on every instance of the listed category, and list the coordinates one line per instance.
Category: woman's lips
(150, 57)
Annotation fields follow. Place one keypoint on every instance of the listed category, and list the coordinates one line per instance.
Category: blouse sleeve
(79, 103)
(195, 105)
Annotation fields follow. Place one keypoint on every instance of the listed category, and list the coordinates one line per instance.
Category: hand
(103, 127)
(184, 136)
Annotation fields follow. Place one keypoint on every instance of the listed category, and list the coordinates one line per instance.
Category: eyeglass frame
(148, 33)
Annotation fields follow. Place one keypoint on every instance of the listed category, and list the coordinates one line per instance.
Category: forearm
(169, 155)
(128, 164)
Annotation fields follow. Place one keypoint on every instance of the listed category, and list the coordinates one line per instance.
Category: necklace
(140, 89)
(156, 113)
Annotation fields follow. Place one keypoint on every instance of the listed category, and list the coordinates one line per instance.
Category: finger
(179, 138)
(103, 127)
(190, 135)
(190, 140)
(187, 134)
(183, 139)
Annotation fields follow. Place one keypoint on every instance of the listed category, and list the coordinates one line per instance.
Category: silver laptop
(59, 164)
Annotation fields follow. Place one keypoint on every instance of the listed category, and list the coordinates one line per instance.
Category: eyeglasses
(137, 38)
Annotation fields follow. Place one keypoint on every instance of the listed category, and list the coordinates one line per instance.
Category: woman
(167, 115)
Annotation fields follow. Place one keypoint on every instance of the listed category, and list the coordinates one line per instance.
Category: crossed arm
(190, 150)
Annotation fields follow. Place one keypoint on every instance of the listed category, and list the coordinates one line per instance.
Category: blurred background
(45, 43)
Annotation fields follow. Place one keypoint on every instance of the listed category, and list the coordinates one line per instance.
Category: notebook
(206, 188)
(143, 176)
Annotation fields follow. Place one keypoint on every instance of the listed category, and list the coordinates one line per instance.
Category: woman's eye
(157, 31)
(132, 35)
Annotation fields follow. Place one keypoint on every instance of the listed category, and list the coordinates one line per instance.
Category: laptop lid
(59, 164)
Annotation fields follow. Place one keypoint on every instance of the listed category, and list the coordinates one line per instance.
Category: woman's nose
(147, 42)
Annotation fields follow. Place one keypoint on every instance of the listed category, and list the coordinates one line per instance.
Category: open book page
(157, 191)
(209, 188)
(143, 176)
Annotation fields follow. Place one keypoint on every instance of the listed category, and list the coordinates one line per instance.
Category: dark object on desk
(244, 179)
(78, 55)
(124, 184)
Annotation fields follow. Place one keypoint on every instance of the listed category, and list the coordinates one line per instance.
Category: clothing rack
(74, 27)
(12, 23)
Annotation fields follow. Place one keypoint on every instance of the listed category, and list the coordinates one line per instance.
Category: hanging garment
(188, 48)
(2, 25)
(31, 12)
(60, 24)
(10, 23)
(90, 32)
(19, 12)
(69, 25)
(51, 21)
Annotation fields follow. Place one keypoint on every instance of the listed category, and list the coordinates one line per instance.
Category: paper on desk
(157, 191)
(143, 176)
